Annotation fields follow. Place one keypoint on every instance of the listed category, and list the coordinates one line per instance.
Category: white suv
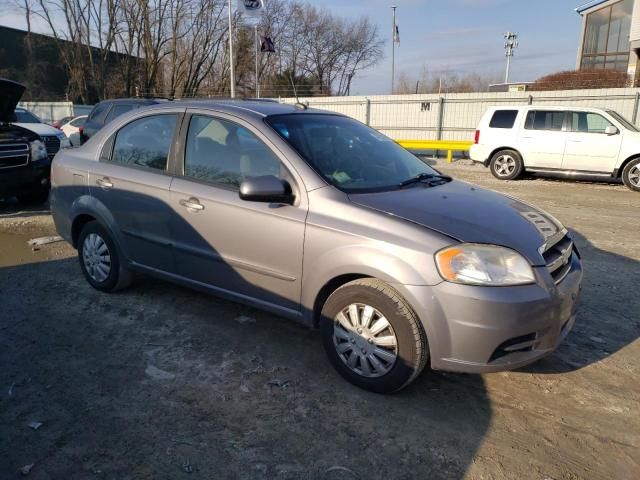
(574, 141)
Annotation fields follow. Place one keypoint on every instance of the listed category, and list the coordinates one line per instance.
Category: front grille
(14, 155)
(558, 258)
(52, 143)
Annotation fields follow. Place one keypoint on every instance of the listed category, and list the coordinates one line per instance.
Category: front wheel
(372, 336)
(506, 165)
(631, 175)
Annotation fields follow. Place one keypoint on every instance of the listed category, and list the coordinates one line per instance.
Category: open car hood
(10, 94)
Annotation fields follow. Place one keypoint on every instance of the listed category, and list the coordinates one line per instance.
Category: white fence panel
(49, 111)
(455, 116)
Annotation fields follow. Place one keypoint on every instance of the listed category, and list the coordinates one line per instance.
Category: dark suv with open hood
(24, 163)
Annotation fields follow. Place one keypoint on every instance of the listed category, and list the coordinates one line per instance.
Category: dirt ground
(159, 382)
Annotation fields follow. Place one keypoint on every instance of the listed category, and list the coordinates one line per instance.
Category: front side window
(145, 142)
(98, 113)
(223, 152)
(116, 111)
(347, 154)
(587, 122)
(503, 119)
(544, 120)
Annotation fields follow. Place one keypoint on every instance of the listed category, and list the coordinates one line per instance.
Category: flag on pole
(396, 37)
(267, 45)
(251, 8)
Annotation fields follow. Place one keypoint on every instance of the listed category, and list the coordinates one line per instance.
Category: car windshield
(348, 154)
(24, 116)
(625, 123)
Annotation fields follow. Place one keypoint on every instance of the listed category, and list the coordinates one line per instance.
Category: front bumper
(487, 329)
(22, 179)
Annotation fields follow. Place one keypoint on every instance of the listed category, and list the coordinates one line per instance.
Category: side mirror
(267, 189)
(611, 130)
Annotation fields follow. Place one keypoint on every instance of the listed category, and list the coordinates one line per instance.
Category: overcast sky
(460, 36)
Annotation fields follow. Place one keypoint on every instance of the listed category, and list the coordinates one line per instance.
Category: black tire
(506, 165)
(630, 175)
(33, 197)
(412, 347)
(118, 276)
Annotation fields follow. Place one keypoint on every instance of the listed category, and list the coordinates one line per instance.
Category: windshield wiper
(425, 178)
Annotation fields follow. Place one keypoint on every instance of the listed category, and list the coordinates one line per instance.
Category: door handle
(192, 204)
(104, 183)
(574, 141)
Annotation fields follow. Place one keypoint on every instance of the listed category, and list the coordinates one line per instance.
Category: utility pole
(257, 55)
(510, 43)
(393, 51)
(232, 72)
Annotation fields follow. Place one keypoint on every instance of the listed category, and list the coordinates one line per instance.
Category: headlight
(38, 151)
(489, 265)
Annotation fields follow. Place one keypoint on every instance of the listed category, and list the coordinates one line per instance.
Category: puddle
(14, 250)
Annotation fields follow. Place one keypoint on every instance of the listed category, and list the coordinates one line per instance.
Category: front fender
(393, 265)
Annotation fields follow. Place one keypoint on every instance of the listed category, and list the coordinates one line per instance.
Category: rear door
(543, 138)
(247, 249)
(132, 181)
(589, 148)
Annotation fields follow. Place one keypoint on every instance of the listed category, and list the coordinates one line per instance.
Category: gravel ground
(161, 382)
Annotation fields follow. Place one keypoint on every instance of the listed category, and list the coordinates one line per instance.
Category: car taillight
(80, 130)
(476, 140)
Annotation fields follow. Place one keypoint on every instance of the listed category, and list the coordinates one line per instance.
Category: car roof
(248, 108)
(149, 101)
(548, 107)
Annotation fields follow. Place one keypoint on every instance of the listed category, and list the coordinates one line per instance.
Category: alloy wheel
(504, 165)
(634, 176)
(365, 341)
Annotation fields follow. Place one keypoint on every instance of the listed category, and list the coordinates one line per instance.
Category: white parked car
(53, 138)
(573, 141)
(72, 129)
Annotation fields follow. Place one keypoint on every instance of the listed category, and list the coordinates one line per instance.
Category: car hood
(40, 128)
(10, 95)
(469, 214)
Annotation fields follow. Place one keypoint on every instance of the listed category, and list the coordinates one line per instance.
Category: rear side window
(544, 120)
(503, 119)
(145, 142)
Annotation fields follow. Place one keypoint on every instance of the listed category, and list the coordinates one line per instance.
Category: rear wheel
(506, 165)
(372, 337)
(631, 175)
(100, 260)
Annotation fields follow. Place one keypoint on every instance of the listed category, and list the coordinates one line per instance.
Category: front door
(248, 249)
(542, 140)
(132, 182)
(589, 148)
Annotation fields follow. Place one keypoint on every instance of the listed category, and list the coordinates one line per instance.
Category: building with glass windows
(610, 37)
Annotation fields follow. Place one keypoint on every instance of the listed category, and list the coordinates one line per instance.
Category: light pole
(510, 43)
(393, 51)
(232, 72)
